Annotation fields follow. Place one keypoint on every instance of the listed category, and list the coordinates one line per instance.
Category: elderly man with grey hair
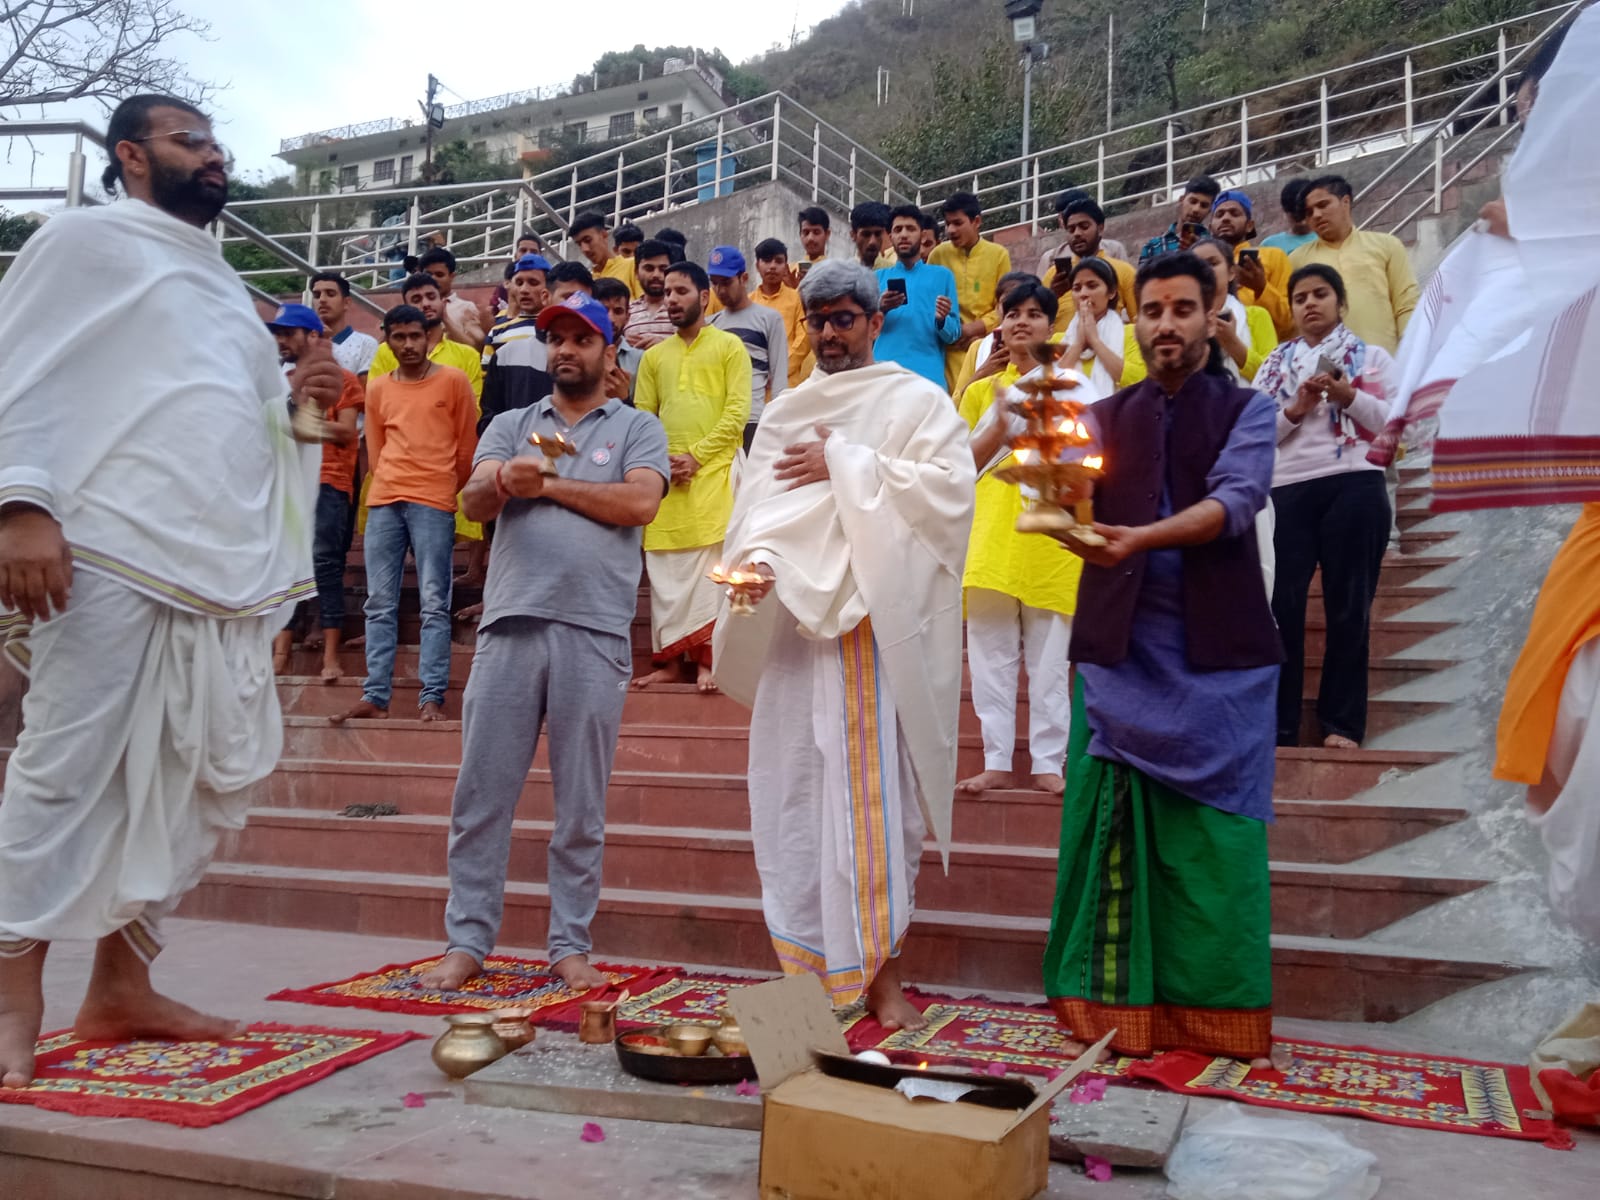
(852, 517)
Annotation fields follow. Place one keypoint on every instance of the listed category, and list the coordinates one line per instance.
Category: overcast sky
(378, 53)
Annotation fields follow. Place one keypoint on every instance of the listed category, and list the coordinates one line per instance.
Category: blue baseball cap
(531, 262)
(727, 262)
(583, 306)
(1238, 198)
(295, 316)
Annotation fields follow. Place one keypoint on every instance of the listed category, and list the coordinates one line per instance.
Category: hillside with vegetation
(955, 88)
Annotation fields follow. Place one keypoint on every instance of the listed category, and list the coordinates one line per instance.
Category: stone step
(685, 705)
(1315, 900)
(1303, 773)
(1318, 978)
(1335, 831)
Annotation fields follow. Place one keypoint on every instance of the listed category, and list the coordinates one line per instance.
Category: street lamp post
(1023, 14)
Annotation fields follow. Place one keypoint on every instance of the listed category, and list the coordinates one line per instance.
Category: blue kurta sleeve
(1241, 478)
(950, 327)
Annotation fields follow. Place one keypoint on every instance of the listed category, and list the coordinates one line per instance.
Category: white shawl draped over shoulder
(143, 405)
(885, 536)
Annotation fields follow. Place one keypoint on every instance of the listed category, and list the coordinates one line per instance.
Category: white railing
(1413, 104)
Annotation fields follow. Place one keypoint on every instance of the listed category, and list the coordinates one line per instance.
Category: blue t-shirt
(911, 335)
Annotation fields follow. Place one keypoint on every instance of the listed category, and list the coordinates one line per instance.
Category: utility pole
(1111, 38)
(433, 117)
(1023, 30)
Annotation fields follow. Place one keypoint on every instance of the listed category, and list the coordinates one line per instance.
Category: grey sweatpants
(527, 671)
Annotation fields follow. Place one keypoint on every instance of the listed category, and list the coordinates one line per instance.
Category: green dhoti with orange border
(1162, 920)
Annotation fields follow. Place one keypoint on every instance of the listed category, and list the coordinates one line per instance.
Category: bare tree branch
(57, 50)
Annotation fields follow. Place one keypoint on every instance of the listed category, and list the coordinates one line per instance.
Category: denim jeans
(430, 535)
(336, 523)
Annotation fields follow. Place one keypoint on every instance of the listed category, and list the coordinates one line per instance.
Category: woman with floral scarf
(1333, 394)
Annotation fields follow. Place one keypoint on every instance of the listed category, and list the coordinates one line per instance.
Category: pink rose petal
(592, 1132)
(747, 1087)
(1088, 1091)
(413, 1100)
(996, 1068)
(1097, 1169)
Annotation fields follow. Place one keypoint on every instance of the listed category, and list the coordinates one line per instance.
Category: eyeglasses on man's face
(843, 320)
(199, 141)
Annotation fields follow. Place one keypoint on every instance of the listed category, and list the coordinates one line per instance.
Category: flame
(736, 579)
(1081, 430)
(1024, 456)
(922, 1066)
(1094, 462)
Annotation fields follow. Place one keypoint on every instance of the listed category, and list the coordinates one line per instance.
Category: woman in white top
(1333, 395)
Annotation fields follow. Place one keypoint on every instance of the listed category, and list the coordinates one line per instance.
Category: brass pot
(729, 1038)
(689, 1041)
(469, 1045)
(512, 1026)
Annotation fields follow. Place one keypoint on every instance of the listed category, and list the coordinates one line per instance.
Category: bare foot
(987, 781)
(357, 642)
(431, 711)
(887, 1002)
(330, 674)
(1054, 784)
(282, 644)
(470, 613)
(1337, 741)
(450, 972)
(468, 579)
(668, 674)
(1280, 1061)
(313, 640)
(574, 971)
(363, 711)
(116, 1017)
(706, 682)
(21, 1012)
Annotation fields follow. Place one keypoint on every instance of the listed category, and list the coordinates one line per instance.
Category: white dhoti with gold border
(834, 813)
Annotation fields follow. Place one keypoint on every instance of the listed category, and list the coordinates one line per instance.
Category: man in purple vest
(1162, 920)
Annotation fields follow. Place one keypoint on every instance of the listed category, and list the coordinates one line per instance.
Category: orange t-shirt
(420, 438)
(339, 462)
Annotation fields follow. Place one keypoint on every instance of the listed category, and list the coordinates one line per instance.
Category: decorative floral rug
(977, 1033)
(700, 999)
(1426, 1091)
(191, 1083)
(504, 983)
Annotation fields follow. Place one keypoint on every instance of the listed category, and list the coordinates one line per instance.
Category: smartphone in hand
(1326, 366)
(895, 285)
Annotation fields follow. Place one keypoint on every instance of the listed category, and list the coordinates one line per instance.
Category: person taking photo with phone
(1194, 206)
(920, 313)
(1333, 392)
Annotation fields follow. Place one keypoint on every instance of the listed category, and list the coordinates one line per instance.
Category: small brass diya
(552, 447)
(729, 1038)
(741, 601)
(469, 1045)
(690, 1041)
(513, 1027)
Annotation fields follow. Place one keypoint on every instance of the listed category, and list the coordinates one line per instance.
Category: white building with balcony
(519, 129)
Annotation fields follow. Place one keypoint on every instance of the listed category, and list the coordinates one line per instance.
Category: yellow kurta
(1275, 296)
(1263, 341)
(618, 267)
(1378, 279)
(1125, 277)
(701, 393)
(1030, 566)
(977, 273)
(787, 305)
(447, 354)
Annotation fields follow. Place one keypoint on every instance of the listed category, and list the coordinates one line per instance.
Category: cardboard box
(824, 1138)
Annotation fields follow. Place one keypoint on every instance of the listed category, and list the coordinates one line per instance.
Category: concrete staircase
(680, 882)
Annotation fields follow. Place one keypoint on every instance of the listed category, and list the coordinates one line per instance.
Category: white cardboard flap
(1059, 1084)
(782, 1022)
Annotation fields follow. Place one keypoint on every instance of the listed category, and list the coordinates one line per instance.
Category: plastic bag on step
(1232, 1154)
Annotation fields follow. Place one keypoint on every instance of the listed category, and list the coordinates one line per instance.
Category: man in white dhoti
(854, 509)
(155, 527)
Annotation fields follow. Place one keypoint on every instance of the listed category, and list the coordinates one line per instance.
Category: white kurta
(868, 567)
(1570, 825)
(142, 406)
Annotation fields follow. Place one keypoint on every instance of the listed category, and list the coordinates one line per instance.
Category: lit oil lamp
(306, 424)
(553, 447)
(1054, 428)
(741, 586)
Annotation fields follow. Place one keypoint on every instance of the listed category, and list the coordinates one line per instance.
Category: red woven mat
(191, 1083)
(505, 982)
(1423, 1090)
